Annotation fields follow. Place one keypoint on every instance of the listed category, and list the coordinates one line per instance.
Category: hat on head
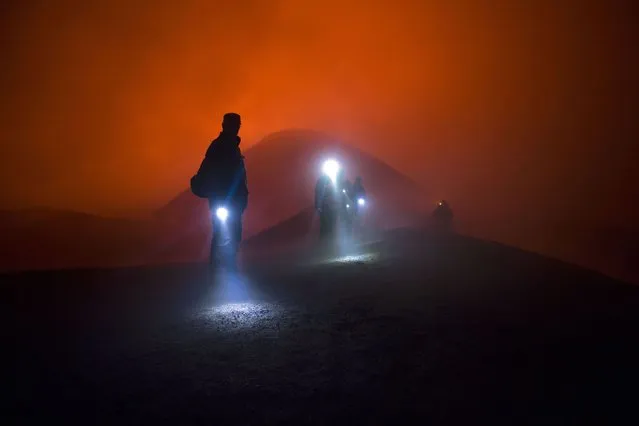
(231, 117)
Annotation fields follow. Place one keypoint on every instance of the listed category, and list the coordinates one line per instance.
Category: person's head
(231, 123)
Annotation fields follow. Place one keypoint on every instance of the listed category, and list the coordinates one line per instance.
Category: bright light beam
(222, 213)
(331, 168)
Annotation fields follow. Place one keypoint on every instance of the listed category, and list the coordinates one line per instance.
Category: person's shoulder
(215, 140)
(213, 146)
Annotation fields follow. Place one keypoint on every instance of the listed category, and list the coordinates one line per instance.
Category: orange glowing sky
(110, 104)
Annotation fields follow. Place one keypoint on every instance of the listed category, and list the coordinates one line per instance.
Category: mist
(507, 110)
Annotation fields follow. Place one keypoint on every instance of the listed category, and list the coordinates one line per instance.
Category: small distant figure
(443, 217)
(346, 206)
(358, 195)
(221, 179)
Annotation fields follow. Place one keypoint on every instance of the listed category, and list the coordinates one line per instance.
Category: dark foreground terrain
(412, 329)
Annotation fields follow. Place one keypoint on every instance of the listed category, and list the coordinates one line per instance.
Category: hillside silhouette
(43, 238)
(282, 170)
(294, 230)
(48, 238)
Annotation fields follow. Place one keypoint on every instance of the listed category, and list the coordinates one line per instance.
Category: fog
(509, 110)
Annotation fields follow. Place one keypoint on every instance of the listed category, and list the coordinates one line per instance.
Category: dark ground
(420, 330)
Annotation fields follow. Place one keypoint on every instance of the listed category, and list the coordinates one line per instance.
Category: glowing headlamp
(222, 213)
(331, 168)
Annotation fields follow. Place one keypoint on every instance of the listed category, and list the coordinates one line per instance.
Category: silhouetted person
(325, 204)
(222, 180)
(443, 216)
(358, 194)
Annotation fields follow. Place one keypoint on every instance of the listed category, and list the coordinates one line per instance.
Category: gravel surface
(408, 329)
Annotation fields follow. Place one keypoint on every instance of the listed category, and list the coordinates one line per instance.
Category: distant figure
(221, 179)
(443, 217)
(346, 206)
(358, 195)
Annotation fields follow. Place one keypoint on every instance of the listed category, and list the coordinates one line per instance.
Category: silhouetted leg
(323, 225)
(222, 241)
(332, 223)
(327, 225)
(235, 230)
(214, 257)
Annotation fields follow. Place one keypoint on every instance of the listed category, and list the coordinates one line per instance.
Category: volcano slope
(411, 328)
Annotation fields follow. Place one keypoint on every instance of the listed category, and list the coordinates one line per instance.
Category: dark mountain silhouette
(294, 230)
(608, 249)
(282, 170)
(46, 238)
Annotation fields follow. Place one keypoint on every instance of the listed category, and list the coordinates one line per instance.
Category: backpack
(197, 186)
(217, 176)
(201, 182)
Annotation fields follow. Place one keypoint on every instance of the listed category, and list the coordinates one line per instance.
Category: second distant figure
(358, 195)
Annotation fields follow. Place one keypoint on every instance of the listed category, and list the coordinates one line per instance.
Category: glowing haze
(110, 104)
